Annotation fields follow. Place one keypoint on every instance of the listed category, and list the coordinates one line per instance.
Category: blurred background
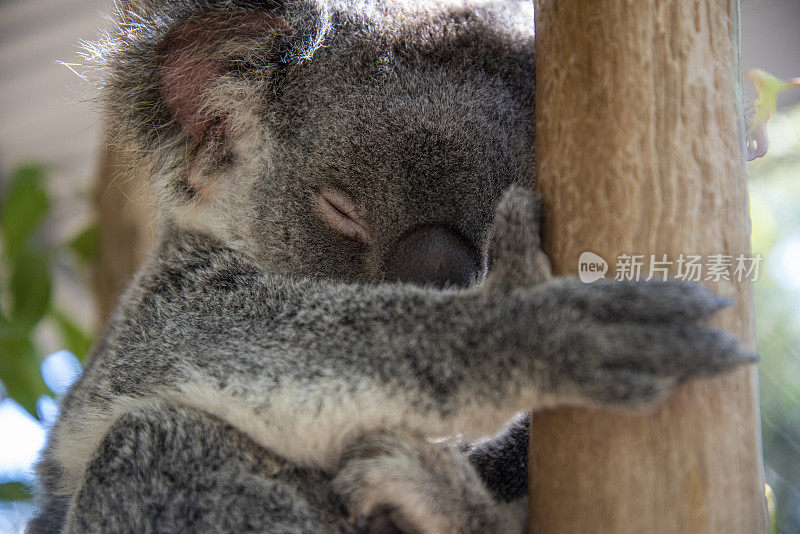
(55, 177)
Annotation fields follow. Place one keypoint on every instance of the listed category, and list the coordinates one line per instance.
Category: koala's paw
(628, 344)
(515, 256)
(402, 484)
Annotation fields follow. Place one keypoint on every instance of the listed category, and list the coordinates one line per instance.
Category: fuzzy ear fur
(200, 85)
(185, 77)
(200, 51)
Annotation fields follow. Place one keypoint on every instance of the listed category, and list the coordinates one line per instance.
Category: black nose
(435, 256)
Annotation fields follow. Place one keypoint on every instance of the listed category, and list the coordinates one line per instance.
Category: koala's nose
(435, 256)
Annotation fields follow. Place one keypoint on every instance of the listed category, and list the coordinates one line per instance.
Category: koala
(349, 270)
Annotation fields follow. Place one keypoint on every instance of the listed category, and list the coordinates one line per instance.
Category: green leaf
(86, 244)
(768, 87)
(75, 339)
(20, 367)
(29, 287)
(15, 491)
(24, 207)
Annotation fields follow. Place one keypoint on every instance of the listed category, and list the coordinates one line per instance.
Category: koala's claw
(379, 521)
(629, 343)
(610, 342)
(635, 364)
(658, 302)
(516, 256)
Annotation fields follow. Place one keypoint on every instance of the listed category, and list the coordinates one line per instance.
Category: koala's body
(349, 266)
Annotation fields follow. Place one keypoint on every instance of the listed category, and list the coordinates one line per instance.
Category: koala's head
(360, 141)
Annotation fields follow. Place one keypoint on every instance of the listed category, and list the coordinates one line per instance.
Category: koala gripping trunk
(652, 162)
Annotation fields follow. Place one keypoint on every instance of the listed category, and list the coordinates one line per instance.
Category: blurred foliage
(774, 201)
(15, 491)
(26, 284)
(769, 495)
(768, 87)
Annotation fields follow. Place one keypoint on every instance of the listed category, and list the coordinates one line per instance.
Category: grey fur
(262, 373)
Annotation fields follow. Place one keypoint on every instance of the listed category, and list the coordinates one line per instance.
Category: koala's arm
(305, 366)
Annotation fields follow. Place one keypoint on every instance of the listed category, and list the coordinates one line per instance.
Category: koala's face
(379, 154)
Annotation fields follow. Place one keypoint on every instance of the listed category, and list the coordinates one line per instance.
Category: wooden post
(640, 151)
(128, 226)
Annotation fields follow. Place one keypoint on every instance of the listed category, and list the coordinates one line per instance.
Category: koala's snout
(435, 256)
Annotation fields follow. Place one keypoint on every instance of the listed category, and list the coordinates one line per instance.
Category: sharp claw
(731, 361)
(654, 302)
(724, 302)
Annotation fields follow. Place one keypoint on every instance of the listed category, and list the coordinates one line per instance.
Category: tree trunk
(640, 151)
(126, 211)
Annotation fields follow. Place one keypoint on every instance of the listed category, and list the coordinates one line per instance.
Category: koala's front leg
(444, 362)
(304, 366)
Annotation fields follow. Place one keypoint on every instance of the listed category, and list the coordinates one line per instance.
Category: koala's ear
(197, 56)
(185, 79)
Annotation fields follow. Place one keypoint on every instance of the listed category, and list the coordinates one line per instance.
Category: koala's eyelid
(341, 212)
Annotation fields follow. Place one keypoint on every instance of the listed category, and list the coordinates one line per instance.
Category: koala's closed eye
(341, 213)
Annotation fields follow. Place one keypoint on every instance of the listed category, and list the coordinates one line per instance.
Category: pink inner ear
(192, 61)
